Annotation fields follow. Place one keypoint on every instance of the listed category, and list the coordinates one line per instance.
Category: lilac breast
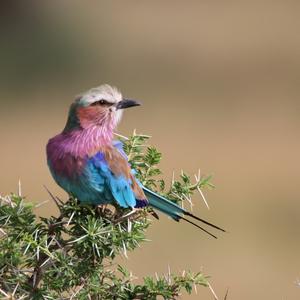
(63, 162)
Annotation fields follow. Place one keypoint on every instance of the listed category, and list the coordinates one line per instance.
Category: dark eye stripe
(101, 102)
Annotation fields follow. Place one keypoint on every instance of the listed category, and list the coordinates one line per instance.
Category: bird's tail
(174, 211)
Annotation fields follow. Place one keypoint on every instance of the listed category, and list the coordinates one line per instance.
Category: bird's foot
(106, 211)
(134, 214)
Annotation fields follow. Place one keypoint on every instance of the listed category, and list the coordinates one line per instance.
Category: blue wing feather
(119, 146)
(118, 186)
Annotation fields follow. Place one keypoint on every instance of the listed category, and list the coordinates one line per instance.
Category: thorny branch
(71, 256)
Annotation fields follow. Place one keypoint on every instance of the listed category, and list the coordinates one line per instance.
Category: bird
(89, 164)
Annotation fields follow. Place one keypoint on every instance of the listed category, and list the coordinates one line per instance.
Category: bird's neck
(82, 142)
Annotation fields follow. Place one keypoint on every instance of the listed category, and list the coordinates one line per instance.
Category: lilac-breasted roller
(86, 161)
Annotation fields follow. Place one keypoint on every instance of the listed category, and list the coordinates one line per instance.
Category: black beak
(125, 103)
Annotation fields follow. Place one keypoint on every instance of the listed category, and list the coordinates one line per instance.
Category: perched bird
(86, 161)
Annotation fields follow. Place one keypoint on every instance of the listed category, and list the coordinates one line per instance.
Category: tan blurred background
(219, 81)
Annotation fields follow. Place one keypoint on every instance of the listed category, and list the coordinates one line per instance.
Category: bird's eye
(100, 102)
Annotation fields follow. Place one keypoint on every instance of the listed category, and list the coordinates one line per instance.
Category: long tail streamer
(176, 212)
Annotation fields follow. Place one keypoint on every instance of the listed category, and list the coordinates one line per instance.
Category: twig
(212, 291)
(19, 189)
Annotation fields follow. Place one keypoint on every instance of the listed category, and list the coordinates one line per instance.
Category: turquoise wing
(118, 186)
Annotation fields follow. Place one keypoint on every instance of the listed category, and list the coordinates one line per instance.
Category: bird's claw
(134, 214)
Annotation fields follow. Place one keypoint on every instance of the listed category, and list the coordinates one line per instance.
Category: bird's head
(100, 106)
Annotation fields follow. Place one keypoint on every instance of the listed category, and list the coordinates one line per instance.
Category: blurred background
(220, 86)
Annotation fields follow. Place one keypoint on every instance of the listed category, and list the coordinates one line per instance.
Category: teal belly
(89, 187)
